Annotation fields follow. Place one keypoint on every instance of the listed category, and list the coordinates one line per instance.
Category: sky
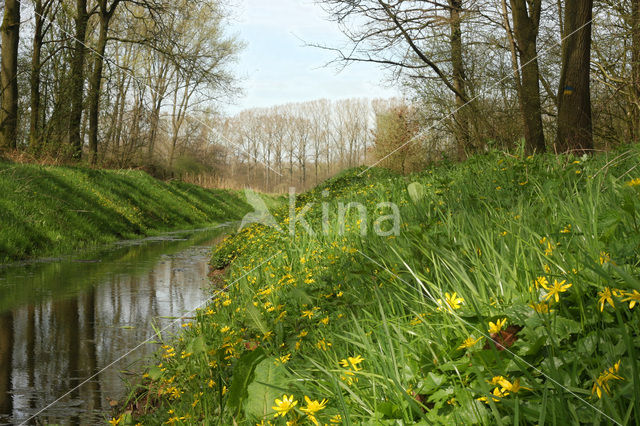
(276, 67)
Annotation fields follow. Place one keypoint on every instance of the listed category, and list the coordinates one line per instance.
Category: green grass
(52, 210)
(487, 230)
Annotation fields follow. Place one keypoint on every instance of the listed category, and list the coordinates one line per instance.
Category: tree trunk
(526, 25)
(635, 69)
(158, 94)
(6, 361)
(574, 97)
(95, 83)
(38, 36)
(460, 116)
(9, 75)
(77, 79)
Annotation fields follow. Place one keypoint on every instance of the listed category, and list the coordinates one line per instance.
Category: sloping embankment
(47, 210)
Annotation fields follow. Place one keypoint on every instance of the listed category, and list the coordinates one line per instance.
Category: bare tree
(526, 23)
(9, 75)
(77, 79)
(575, 129)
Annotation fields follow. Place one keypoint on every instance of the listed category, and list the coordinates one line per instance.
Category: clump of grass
(48, 210)
(510, 296)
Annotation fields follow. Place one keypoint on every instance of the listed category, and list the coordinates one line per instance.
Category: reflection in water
(62, 322)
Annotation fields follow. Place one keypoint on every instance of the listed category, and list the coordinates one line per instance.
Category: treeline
(562, 75)
(113, 82)
(296, 144)
(135, 83)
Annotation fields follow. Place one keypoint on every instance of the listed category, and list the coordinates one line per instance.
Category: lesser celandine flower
(602, 382)
(352, 362)
(605, 296)
(497, 395)
(284, 405)
(469, 342)
(556, 289)
(514, 387)
(632, 298)
(540, 282)
(495, 328)
(283, 359)
(541, 308)
(312, 408)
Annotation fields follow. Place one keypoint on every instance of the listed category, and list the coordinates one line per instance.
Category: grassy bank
(52, 210)
(510, 296)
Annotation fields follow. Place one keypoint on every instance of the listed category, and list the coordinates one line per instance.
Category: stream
(64, 320)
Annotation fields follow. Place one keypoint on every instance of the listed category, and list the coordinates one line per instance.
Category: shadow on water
(63, 320)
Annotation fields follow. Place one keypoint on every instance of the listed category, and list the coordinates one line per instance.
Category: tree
(575, 128)
(9, 75)
(41, 27)
(105, 13)
(635, 69)
(395, 126)
(407, 35)
(526, 24)
(76, 79)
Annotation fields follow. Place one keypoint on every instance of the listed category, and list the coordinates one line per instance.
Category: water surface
(63, 320)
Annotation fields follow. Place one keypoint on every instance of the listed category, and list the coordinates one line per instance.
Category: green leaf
(155, 373)
(416, 192)
(242, 376)
(197, 345)
(256, 318)
(269, 383)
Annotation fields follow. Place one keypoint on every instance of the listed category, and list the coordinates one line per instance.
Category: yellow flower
(556, 289)
(115, 421)
(496, 380)
(497, 395)
(548, 251)
(283, 359)
(605, 297)
(632, 298)
(602, 382)
(633, 182)
(541, 308)
(605, 257)
(495, 328)
(507, 386)
(349, 377)
(352, 362)
(325, 320)
(266, 291)
(313, 406)
(309, 313)
(453, 301)
(284, 405)
(336, 419)
(540, 282)
(469, 342)
(323, 344)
